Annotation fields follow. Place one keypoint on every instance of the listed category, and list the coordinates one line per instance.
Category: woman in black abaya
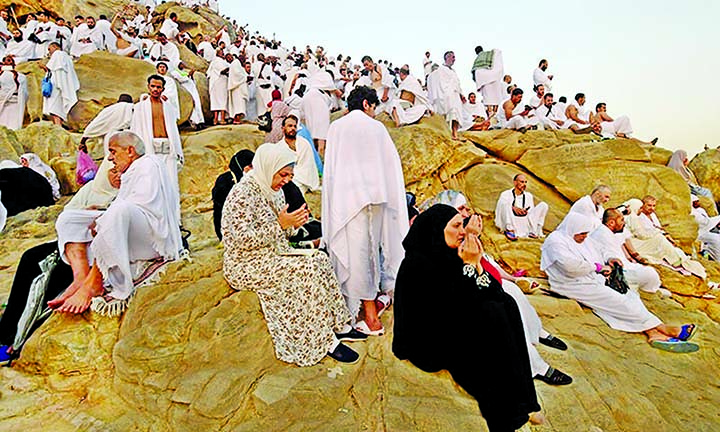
(451, 313)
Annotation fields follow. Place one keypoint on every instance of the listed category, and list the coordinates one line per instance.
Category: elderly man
(410, 103)
(655, 244)
(154, 122)
(448, 95)
(549, 115)
(610, 240)
(541, 77)
(516, 214)
(65, 84)
(13, 95)
(708, 229)
(364, 216)
(115, 117)
(306, 172)
(576, 270)
(141, 224)
(488, 72)
(591, 206)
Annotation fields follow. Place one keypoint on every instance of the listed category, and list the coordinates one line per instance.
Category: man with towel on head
(315, 108)
(141, 224)
(488, 71)
(516, 214)
(364, 216)
(65, 84)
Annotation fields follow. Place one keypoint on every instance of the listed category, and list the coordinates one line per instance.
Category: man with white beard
(540, 75)
(65, 84)
(19, 48)
(448, 95)
(86, 38)
(488, 71)
(217, 74)
(13, 95)
(237, 90)
(185, 77)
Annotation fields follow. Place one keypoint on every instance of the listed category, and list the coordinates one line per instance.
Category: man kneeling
(141, 224)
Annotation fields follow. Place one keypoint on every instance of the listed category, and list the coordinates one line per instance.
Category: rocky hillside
(192, 354)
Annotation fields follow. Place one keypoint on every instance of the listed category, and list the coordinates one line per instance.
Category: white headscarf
(269, 159)
(634, 205)
(677, 163)
(561, 242)
(40, 167)
(322, 80)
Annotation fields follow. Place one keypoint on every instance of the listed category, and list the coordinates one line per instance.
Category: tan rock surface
(191, 354)
(706, 167)
(64, 8)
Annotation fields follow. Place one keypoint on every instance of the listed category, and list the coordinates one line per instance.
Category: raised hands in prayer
(295, 219)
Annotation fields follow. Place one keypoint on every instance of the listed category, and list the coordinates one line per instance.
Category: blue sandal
(675, 345)
(687, 332)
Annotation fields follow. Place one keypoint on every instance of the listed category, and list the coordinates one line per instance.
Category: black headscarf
(225, 183)
(24, 189)
(445, 320)
(238, 163)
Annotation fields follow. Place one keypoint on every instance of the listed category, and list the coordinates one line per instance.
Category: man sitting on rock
(115, 117)
(579, 118)
(512, 115)
(591, 206)
(141, 224)
(619, 127)
(708, 229)
(610, 240)
(306, 172)
(549, 115)
(516, 214)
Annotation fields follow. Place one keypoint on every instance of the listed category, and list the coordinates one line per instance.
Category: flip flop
(510, 235)
(386, 301)
(362, 327)
(675, 345)
(554, 377)
(687, 332)
(554, 342)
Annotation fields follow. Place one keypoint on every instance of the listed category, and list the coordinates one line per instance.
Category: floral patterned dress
(300, 296)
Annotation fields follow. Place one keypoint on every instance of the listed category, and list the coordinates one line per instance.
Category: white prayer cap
(322, 80)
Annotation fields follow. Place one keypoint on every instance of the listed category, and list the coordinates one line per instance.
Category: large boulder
(10, 147)
(706, 167)
(196, 22)
(63, 8)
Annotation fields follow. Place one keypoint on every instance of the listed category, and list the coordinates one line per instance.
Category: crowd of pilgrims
(325, 283)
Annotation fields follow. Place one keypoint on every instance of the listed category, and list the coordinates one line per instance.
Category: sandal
(362, 327)
(687, 332)
(510, 235)
(675, 345)
(554, 342)
(554, 377)
(385, 301)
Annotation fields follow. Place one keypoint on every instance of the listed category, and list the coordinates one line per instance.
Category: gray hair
(127, 139)
(601, 188)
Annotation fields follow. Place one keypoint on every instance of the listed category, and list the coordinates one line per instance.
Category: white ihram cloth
(95, 35)
(516, 121)
(168, 51)
(364, 215)
(108, 37)
(587, 208)
(505, 219)
(540, 77)
(409, 112)
(22, 51)
(490, 83)
(169, 28)
(142, 126)
(171, 92)
(447, 92)
(46, 33)
(141, 224)
(218, 84)
(40, 167)
(621, 125)
(532, 326)
(65, 85)
(188, 83)
(208, 51)
(609, 245)
(3, 215)
(238, 92)
(707, 232)
(115, 117)
(263, 86)
(582, 114)
(305, 173)
(547, 116)
(475, 110)
(570, 267)
(13, 98)
(315, 107)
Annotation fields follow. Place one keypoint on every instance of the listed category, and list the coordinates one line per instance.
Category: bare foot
(79, 302)
(72, 289)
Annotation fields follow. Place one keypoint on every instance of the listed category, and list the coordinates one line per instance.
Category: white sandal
(362, 327)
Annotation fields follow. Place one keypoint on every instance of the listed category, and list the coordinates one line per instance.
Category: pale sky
(655, 61)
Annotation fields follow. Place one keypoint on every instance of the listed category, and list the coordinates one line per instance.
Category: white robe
(547, 117)
(708, 233)
(171, 92)
(22, 51)
(142, 125)
(46, 33)
(621, 125)
(540, 77)
(169, 28)
(315, 113)
(218, 84)
(188, 83)
(364, 216)
(305, 173)
(141, 224)
(409, 112)
(115, 117)
(78, 48)
(490, 83)
(13, 98)
(65, 85)
(586, 207)
(237, 89)
(208, 51)
(506, 220)
(475, 110)
(609, 245)
(109, 39)
(571, 270)
(447, 92)
(168, 51)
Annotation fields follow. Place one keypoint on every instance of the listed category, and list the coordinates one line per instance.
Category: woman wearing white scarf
(33, 161)
(678, 162)
(574, 270)
(299, 293)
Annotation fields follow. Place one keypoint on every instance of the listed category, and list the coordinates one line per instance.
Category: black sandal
(554, 377)
(553, 342)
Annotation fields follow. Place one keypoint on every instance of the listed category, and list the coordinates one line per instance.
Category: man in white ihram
(65, 84)
(516, 214)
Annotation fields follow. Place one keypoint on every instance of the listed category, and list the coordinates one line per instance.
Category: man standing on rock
(154, 121)
(516, 214)
(448, 96)
(364, 216)
(65, 84)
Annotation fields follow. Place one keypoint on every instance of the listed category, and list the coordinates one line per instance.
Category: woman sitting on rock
(679, 162)
(444, 274)
(33, 161)
(300, 297)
